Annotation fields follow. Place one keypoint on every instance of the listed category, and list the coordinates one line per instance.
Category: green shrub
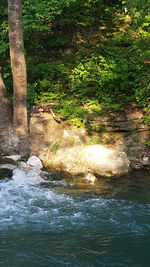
(103, 77)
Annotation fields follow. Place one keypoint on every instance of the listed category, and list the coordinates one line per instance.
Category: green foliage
(48, 82)
(71, 141)
(42, 13)
(110, 63)
(94, 140)
(148, 143)
(55, 146)
(105, 75)
(147, 114)
(70, 109)
(4, 38)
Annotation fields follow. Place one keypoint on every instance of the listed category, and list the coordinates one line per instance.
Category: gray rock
(45, 175)
(8, 166)
(24, 166)
(35, 162)
(146, 159)
(13, 157)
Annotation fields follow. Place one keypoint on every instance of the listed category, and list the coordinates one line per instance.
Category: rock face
(119, 131)
(48, 135)
(95, 159)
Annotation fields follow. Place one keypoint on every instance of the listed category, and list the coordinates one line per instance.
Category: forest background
(83, 54)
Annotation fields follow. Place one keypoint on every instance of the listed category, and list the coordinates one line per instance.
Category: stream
(75, 224)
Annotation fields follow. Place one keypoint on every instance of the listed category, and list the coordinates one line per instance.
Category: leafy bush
(47, 81)
(106, 75)
(110, 65)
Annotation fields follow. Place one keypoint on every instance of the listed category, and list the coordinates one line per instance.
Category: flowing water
(79, 225)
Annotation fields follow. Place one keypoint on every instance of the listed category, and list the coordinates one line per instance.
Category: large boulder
(95, 159)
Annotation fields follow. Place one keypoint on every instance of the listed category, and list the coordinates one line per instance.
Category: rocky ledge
(123, 132)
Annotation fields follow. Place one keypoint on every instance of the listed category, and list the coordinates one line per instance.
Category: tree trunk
(5, 118)
(18, 66)
(5, 109)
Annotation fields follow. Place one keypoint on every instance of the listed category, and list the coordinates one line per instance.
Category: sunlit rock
(94, 159)
(24, 166)
(90, 178)
(125, 131)
(146, 161)
(35, 162)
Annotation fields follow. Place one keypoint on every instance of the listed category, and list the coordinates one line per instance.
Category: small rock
(45, 175)
(8, 166)
(41, 110)
(90, 177)
(24, 166)
(145, 159)
(14, 157)
(35, 162)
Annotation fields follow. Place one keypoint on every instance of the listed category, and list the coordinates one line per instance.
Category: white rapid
(74, 226)
(22, 200)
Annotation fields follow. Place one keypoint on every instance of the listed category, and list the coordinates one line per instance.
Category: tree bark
(5, 108)
(5, 119)
(18, 66)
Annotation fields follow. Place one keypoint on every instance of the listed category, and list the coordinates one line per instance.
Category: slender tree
(5, 119)
(5, 113)
(18, 66)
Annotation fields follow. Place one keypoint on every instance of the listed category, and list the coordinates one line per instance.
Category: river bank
(123, 131)
(104, 145)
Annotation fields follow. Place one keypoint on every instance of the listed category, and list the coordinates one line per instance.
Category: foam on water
(42, 226)
(23, 201)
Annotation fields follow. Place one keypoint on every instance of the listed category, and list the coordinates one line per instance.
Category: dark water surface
(106, 224)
